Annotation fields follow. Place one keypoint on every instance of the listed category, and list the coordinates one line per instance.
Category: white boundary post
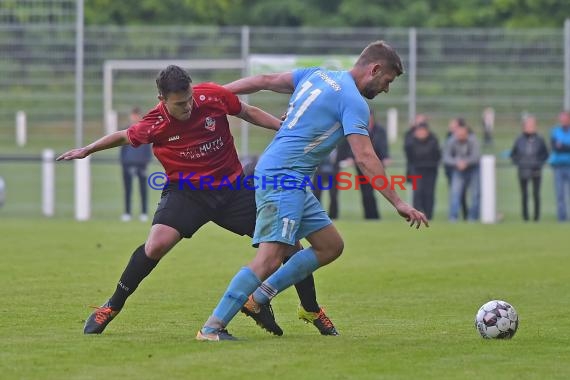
(82, 177)
(488, 190)
(21, 128)
(111, 122)
(2, 191)
(392, 125)
(48, 182)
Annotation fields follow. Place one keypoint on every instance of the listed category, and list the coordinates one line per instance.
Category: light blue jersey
(325, 107)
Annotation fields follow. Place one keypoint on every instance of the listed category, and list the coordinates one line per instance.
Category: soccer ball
(497, 320)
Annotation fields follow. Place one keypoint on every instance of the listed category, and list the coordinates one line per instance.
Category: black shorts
(187, 210)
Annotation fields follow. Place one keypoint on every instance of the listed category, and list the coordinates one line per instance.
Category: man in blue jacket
(560, 162)
(134, 162)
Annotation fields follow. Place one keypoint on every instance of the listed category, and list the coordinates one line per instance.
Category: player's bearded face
(179, 104)
(379, 83)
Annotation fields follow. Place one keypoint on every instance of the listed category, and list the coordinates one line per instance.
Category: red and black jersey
(198, 147)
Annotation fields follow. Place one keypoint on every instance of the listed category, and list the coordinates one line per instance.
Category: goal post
(112, 66)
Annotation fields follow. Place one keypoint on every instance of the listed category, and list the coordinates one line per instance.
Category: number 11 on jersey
(306, 103)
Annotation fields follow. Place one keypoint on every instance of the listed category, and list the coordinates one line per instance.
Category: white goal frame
(112, 66)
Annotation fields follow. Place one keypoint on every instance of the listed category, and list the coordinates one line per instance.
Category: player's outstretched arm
(258, 117)
(280, 82)
(371, 166)
(106, 142)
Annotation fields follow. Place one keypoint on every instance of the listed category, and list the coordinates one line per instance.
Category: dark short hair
(461, 122)
(136, 110)
(380, 51)
(172, 79)
(463, 127)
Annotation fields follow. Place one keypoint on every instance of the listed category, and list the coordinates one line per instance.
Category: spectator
(462, 153)
(379, 139)
(408, 136)
(325, 179)
(423, 155)
(560, 162)
(529, 154)
(134, 162)
(452, 126)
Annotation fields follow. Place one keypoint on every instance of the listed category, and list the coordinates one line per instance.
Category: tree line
(514, 14)
(332, 13)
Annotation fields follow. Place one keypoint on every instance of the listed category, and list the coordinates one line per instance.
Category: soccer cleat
(262, 315)
(99, 319)
(319, 319)
(216, 336)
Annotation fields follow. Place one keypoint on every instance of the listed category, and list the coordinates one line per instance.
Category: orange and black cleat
(99, 319)
(318, 319)
(262, 315)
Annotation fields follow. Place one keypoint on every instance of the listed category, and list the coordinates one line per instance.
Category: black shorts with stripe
(186, 210)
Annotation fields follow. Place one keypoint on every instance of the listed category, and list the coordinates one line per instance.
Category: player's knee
(160, 240)
(264, 264)
(156, 249)
(272, 263)
(336, 248)
(330, 251)
(339, 247)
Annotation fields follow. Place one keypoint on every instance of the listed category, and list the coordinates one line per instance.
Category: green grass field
(403, 300)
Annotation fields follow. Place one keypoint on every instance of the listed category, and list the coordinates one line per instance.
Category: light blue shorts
(287, 215)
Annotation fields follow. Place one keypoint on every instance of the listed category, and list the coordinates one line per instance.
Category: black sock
(137, 269)
(307, 293)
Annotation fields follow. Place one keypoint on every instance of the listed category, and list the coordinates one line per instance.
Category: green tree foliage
(158, 12)
(532, 13)
(318, 13)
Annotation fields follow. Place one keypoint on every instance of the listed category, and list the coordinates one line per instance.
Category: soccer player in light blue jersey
(325, 107)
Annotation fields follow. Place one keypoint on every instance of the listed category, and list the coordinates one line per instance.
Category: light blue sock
(240, 287)
(299, 266)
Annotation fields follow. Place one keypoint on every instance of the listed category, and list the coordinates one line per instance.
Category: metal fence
(449, 71)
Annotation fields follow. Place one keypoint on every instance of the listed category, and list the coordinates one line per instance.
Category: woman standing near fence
(529, 154)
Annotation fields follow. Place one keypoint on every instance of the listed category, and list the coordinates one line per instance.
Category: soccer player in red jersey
(191, 138)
